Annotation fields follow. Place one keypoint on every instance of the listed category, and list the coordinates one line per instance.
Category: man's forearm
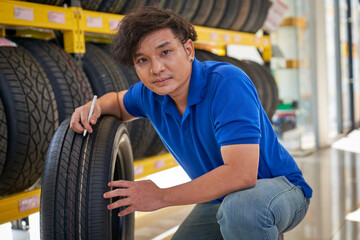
(109, 104)
(210, 186)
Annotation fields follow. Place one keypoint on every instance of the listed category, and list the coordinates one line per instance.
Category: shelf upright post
(2, 32)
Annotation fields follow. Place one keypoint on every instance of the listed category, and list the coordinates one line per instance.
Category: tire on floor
(76, 174)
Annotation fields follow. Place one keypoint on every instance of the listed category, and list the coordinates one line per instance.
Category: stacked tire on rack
(243, 15)
(40, 85)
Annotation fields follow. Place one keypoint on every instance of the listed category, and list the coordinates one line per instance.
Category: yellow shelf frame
(34, 15)
(19, 205)
(147, 166)
(76, 22)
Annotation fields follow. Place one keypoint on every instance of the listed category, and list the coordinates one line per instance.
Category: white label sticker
(29, 203)
(214, 36)
(159, 164)
(95, 22)
(138, 170)
(6, 43)
(114, 24)
(24, 13)
(56, 17)
(226, 37)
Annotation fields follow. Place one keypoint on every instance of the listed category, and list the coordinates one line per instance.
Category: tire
(242, 15)
(262, 15)
(49, 2)
(232, 9)
(157, 3)
(32, 117)
(69, 82)
(3, 137)
(253, 17)
(217, 13)
(273, 92)
(111, 6)
(76, 174)
(90, 4)
(190, 9)
(133, 5)
(203, 12)
(176, 6)
(102, 71)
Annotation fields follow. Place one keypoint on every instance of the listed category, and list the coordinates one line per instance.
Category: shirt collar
(197, 83)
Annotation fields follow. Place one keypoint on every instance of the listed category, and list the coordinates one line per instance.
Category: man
(245, 184)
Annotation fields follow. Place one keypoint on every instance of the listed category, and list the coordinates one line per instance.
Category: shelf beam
(19, 205)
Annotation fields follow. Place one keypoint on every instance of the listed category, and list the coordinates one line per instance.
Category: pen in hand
(91, 112)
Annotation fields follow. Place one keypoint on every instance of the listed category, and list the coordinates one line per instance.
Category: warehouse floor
(333, 174)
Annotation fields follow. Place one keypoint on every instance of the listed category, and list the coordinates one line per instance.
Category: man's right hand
(79, 119)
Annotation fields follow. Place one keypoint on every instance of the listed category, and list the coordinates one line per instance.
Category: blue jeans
(272, 207)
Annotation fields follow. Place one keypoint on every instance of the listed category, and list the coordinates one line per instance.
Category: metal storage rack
(76, 24)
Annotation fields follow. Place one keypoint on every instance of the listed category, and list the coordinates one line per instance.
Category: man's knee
(244, 210)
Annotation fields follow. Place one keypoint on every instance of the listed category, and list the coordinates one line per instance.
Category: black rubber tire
(133, 5)
(111, 6)
(265, 5)
(76, 174)
(272, 89)
(176, 6)
(157, 3)
(243, 13)
(69, 82)
(253, 17)
(31, 114)
(102, 71)
(232, 9)
(3, 136)
(155, 147)
(190, 9)
(203, 13)
(217, 13)
(90, 4)
(49, 2)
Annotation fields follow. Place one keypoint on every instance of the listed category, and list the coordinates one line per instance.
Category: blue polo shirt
(223, 108)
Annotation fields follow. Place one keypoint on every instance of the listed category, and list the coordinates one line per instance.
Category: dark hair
(137, 24)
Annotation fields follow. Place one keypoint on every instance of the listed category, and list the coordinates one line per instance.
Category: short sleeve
(235, 108)
(133, 100)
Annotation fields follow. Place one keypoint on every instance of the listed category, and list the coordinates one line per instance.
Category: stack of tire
(40, 85)
(237, 15)
(260, 75)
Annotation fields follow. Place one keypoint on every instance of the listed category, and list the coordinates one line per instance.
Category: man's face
(163, 63)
